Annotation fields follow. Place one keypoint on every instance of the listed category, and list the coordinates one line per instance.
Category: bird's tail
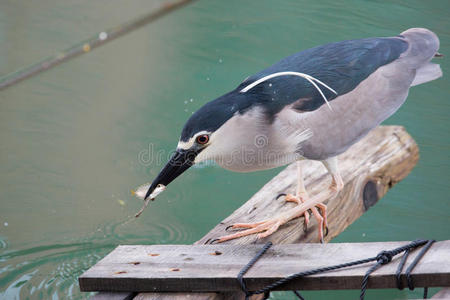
(426, 73)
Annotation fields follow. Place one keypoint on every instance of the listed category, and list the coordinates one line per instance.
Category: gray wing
(368, 104)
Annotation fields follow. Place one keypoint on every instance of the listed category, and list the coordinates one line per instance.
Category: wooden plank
(208, 268)
(369, 169)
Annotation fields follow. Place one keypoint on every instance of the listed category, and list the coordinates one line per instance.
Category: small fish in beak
(180, 161)
(142, 191)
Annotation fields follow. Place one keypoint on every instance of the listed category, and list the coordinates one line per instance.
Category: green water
(74, 140)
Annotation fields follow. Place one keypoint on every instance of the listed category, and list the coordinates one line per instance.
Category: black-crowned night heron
(312, 105)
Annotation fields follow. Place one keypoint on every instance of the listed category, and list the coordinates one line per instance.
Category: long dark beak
(180, 161)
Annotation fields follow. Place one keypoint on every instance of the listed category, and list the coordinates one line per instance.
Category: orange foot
(266, 228)
(321, 217)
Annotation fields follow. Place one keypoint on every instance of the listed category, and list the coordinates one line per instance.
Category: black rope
(414, 263)
(409, 280)
(384, 257)
(398, 274)
(248, 266)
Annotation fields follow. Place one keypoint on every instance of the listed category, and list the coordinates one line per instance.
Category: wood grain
(197, 268)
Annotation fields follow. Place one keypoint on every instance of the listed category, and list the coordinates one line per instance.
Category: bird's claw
(324, 234)
(280, 195)
(211, 241)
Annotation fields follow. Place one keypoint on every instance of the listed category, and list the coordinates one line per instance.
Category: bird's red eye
(202, 139)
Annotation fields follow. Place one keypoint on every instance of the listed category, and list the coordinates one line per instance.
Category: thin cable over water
(89, 44)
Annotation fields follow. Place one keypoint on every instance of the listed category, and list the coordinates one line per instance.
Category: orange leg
(337, 184)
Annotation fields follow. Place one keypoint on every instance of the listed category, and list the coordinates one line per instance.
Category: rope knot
(384, 257)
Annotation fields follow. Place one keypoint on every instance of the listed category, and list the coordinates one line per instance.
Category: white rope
(303, 75)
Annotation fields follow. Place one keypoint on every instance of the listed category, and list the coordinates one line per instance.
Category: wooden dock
(369, 169)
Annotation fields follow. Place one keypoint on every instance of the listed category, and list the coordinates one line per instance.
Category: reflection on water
(52, 270)
(71, 138)
(43, 272)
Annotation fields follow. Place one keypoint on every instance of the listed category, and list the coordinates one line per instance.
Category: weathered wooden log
(369, 168)
(209, 268)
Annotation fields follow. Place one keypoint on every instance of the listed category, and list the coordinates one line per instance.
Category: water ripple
(48, 271)
(3, 243)
(51, 271)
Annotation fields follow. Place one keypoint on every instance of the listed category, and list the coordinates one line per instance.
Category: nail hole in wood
(120, 272)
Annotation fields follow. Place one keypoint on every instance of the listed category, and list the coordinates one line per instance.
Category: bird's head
(199, 141)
